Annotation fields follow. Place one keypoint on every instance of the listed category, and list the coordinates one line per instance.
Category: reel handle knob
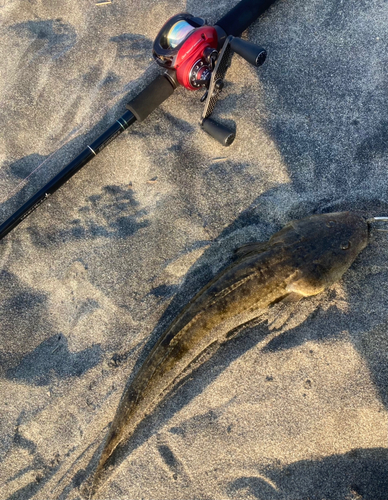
(251, 52)
(219, 132)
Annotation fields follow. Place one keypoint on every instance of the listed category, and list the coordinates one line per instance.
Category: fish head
(344, 234)
(325, 246)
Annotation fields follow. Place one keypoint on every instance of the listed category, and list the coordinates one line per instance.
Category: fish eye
(330, 223)
(345, 245)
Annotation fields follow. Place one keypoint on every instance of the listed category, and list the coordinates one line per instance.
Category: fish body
(301, 260)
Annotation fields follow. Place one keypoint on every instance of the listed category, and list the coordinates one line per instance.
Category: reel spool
(197, 56)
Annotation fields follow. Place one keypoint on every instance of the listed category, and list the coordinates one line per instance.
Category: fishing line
(24, 181)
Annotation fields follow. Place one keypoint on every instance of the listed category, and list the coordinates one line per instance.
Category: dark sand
(99, 270)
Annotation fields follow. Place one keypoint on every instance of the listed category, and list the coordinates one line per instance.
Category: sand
(91, 279)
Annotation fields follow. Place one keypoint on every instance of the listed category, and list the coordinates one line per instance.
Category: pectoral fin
(280, 312)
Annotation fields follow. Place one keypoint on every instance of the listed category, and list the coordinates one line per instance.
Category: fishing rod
(194, 55)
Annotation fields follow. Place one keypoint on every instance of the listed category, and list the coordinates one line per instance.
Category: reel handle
(219, 132)
(251, 52)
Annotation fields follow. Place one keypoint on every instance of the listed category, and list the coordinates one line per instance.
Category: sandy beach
(93, 277)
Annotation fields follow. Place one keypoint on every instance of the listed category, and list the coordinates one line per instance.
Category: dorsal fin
(255, 247)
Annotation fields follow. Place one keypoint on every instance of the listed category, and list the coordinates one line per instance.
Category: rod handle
(151, 97)
(219, 132)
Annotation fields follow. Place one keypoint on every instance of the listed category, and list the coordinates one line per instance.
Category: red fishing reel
(197, 56)
(185, 44)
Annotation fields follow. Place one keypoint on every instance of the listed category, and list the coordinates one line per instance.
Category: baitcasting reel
(198, 56)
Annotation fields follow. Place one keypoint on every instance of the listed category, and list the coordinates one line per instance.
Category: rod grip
(237, 20)
(151, 97)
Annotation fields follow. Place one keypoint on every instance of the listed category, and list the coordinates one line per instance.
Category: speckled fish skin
(302, 259)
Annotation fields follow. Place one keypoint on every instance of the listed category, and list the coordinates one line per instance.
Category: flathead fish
(301, 260)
